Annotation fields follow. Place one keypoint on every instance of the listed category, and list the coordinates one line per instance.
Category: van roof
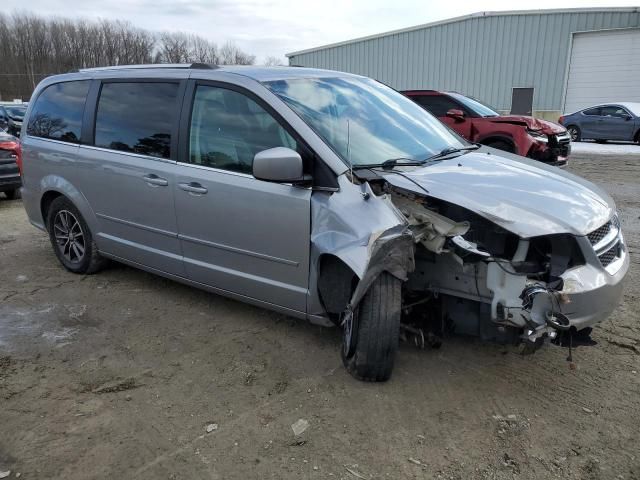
(258, 73)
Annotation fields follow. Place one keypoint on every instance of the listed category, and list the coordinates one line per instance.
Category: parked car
(11, 115)
(527, 136)
(10, 160)
(613, 121)
(319, 194)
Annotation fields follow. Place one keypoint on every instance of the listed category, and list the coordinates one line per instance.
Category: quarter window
(137, 117)
(57, 113)
(228, 129)
(613, 111)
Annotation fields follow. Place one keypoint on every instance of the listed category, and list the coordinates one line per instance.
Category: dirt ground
(117, 375)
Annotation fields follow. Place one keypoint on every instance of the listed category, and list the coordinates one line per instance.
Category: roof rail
(201, 66)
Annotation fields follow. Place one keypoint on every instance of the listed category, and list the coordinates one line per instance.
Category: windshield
(16, 112)
(475, 106)
(364, 121)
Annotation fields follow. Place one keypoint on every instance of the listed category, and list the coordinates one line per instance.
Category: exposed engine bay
(468, 275)
(472, 270)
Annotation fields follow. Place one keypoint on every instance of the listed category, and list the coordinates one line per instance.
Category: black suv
(11, 115)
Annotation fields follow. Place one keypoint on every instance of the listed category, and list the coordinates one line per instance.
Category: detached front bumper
(589, 292)
(592, 291)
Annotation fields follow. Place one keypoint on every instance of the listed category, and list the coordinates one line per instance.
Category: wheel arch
(53, 186)
(336, 283)
(499, 138)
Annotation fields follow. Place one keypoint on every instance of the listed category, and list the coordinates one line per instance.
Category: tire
(501, 145)
(77, 253)
(370, 339)
(574, 133)
(13, 194)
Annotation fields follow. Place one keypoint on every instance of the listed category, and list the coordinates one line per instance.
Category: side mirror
(280, 165)
(457, 115)
(626, 116)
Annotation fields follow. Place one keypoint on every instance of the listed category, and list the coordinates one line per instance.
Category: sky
(275, 27)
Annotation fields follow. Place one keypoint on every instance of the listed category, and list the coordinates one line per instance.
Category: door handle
(193, 187)
(153, 179)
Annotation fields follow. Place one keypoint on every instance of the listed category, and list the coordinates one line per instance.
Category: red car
(10, 164)
(527, 136)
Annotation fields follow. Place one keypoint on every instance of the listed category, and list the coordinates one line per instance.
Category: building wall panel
(483, 56)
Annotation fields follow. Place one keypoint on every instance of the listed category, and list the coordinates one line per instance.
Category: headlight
(541, 137)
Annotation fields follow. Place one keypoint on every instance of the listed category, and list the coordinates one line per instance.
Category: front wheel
(574, 133)
(371, 334)
(71, 238)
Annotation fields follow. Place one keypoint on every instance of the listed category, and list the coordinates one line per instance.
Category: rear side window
(438, 105)
(57, 113)
(229, 128)
(137, 117)
(613, 111)
(592, 111)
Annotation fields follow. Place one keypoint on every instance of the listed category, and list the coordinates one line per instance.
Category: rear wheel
(574, 133)
(13, 194)
(371, 335)
(71, 238)
(501, 145)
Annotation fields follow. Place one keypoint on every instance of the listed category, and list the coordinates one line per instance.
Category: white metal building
(556, 61)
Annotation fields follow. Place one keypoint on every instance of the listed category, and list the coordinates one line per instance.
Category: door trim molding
(166, 233)
(229, 248)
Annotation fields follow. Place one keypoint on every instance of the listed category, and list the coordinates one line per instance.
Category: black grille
(610, 255)
(598, 234)
(564, 146)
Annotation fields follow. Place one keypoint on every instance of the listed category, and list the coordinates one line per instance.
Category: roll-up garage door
(604, 67)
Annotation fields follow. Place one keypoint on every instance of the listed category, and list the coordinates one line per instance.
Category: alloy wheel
(69, 236)
(573, 133)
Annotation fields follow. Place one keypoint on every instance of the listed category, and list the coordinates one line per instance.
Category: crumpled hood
(521, 195)
(537, 124)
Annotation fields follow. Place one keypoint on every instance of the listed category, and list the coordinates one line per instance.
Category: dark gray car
(11, 115)
(319, 194)
(612, 121)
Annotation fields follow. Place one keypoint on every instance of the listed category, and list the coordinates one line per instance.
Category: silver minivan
(322, 195)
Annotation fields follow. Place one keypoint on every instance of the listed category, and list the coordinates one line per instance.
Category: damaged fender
(365, 231)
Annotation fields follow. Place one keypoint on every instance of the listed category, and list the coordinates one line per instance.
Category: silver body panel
(245, 235)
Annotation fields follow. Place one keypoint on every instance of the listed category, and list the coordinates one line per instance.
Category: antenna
(349, 150)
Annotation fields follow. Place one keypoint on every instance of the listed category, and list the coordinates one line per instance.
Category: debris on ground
(211, 427)
(116, 386)
(5, 474)
(299, 427)
(587, 410)
(416, 462)
(355, 474)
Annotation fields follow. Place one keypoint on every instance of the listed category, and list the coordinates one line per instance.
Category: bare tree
(273, 61)
(33, 47)
(230, 54)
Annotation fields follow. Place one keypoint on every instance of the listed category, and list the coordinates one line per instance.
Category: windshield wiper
(409, 162)
(451, 150)
(389, 164)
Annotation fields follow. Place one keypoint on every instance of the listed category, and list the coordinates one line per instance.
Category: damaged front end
(463, 272)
